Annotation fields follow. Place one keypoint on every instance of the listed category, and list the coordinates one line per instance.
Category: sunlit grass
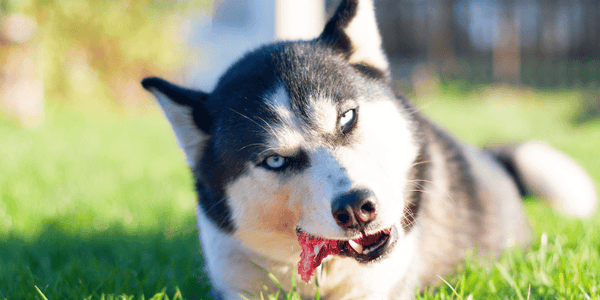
(101, 206)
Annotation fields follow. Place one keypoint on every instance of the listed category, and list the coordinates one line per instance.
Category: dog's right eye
(347, 121)
(275, 162)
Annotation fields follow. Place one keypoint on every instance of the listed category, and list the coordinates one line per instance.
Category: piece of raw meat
(314, 250)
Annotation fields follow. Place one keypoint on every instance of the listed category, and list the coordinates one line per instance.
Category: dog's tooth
(356, 246)
(370, 249)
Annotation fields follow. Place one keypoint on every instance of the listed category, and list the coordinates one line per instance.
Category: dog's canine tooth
(356, 246)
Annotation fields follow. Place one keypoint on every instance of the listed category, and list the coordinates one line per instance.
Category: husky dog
(310, 136)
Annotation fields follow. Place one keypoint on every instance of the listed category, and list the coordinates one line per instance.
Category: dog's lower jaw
(394, 277)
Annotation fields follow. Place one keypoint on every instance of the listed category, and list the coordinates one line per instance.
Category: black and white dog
(310, 136)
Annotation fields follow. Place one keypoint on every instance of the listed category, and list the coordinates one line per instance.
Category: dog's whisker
(413, 219)
(271, 130)
(420, 162)
(216, 203)
(267, 150)
(252, 145)
(415, 110)
(437, 186)
(241, 114)
(437, 196)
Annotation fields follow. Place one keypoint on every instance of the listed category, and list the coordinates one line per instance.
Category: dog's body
(310, 136)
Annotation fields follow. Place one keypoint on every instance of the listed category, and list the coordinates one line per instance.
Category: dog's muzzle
(354, 212)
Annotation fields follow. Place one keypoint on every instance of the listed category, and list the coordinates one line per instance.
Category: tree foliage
(93, 52)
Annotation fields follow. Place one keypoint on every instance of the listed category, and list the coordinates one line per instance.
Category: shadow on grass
(73, 265)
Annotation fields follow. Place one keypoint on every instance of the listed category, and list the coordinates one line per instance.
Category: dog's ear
(353, 31)
(186, 111)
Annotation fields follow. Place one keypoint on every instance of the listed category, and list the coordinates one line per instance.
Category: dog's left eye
(347, 120)
(275, 161)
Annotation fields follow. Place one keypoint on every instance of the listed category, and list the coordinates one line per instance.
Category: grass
(98, 205)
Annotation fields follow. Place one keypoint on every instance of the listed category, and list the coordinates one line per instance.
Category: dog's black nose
(355, 209)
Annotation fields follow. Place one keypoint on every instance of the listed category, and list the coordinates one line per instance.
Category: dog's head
(303, 135)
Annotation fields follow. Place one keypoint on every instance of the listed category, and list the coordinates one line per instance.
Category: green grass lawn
(101, 206)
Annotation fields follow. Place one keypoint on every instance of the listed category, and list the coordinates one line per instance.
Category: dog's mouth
(369, 247)
(366, 248)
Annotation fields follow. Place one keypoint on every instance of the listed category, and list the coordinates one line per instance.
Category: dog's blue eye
(275, 161)
(347, 119)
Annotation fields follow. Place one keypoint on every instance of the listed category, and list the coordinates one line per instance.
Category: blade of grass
(451, 287)
(510, 280)
(41, 294)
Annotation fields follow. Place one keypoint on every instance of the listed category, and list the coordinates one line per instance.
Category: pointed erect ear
(353, 31)
(185, 109)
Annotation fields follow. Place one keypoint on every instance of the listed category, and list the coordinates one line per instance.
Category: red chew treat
(314, 250)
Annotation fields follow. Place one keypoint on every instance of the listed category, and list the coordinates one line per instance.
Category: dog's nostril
(343, 218)
(367, 207)
(366, 213)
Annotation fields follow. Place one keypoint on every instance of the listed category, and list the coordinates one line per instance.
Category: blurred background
(88, 53)
(95, 196)
(94, 53)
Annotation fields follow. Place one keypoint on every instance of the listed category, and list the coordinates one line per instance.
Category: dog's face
(301, 136)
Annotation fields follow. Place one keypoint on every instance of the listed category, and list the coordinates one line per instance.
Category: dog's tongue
(314, 250)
